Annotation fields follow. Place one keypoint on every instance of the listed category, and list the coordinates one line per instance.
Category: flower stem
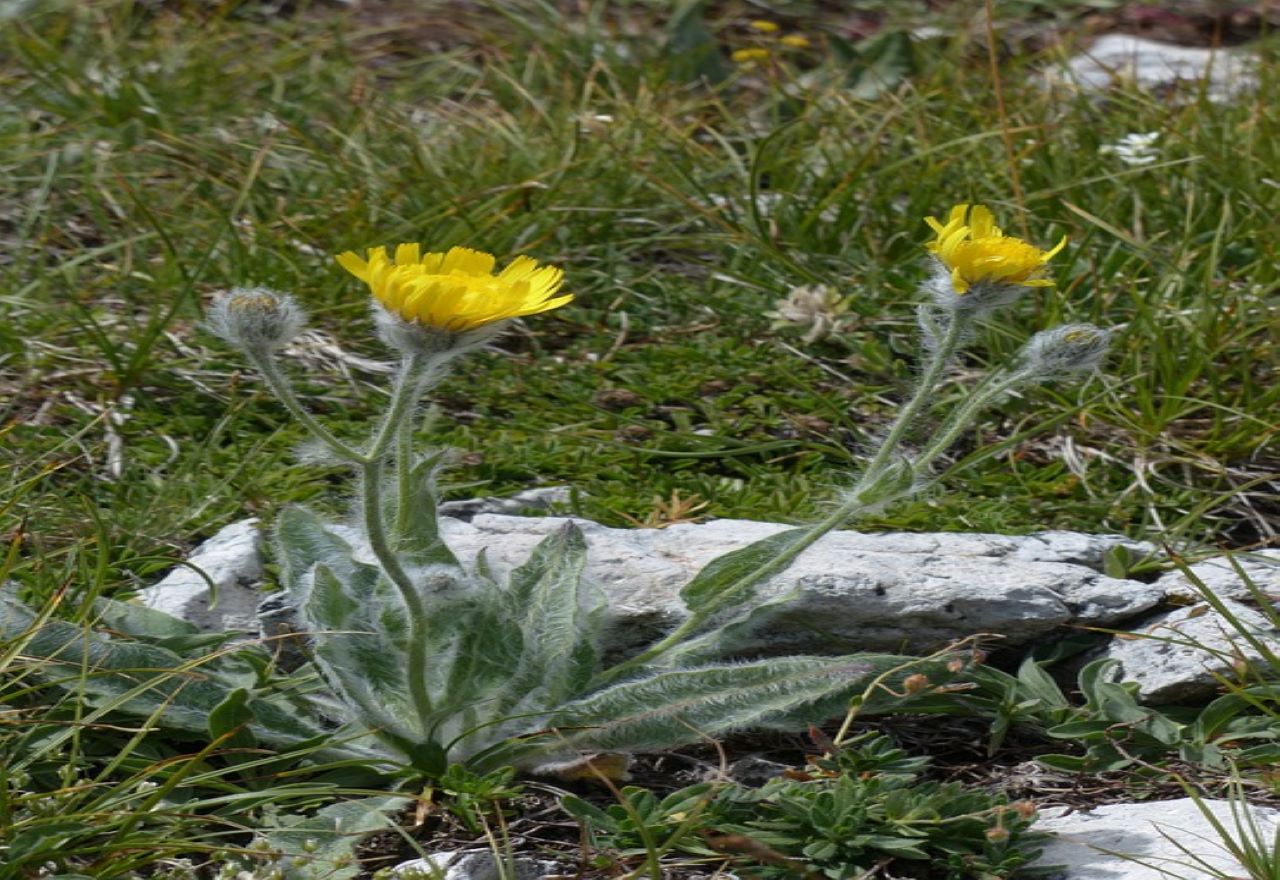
(279, 384)
(408, 385)
(938, 360)
(964, 414)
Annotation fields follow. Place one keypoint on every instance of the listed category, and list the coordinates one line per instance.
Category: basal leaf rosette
(979, 266)
(456, 293)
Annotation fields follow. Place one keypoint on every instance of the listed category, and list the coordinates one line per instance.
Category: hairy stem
(279, 384)
(409, 384)
(938, 360)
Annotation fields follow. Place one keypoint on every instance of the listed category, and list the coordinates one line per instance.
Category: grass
(157, 154)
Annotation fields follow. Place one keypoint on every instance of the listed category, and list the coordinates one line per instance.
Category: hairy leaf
(140, 679)
(418, 540)
(672, 708)
(560, 615)
(322, 846)
(359, 640)
(730, 581)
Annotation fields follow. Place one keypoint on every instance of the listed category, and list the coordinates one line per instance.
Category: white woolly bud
(1061, 351)
(255, 319)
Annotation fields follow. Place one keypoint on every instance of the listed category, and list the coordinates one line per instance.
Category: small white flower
(1134, 149)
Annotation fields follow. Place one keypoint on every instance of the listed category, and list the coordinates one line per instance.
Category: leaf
(303, 540)
(738, 632)
(1037, 683)
(231, 718)
(359, 642)
(419, 537)
(677, 707)
(561, 614)
(730, 580)
(140, 679)
(1216, 715)
(137, 620)
(323, 846)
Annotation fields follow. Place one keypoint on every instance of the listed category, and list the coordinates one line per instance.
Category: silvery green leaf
(472, 667)
(303, 540)
(418, 540)
(739, 632)
(561, 614)
(730, 581)
(359, 636)
(671, 708)
(140, 621)
(140, 679)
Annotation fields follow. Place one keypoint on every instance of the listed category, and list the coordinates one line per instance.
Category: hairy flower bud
(1061, 351)
(255, 319)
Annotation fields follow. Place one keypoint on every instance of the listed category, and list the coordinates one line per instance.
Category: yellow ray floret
(456, 290)
(974, 249)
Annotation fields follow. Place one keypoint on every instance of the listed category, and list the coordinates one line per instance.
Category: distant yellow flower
(795, 41)
(975, 251)
(764, 26)
(456, 291)
(748, 56)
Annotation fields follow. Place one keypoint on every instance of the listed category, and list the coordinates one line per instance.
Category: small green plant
(1112, 729)
(861, 805)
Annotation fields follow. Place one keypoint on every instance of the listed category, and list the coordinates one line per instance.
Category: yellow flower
(795, 41)
(456, 291)
(975, 251)
(748, 56)
(764, 26)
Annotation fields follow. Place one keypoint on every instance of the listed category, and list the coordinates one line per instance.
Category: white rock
(1187, 649)
(542, 497)
(1162, 840)
(232, 561)
(1222, 73)
(856, 591)
(475, 865)
(1220, 578)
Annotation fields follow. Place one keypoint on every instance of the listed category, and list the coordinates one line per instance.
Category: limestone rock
(1118, 58)
(1187, 649)
(1161, 840)
(476, 865)
(1221, 579)
(855, 591)
(540, 498)
(230, 561)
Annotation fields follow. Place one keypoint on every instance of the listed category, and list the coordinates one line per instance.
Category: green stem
(279, 384)
(964, 415)
(941, 356)
(409, 383)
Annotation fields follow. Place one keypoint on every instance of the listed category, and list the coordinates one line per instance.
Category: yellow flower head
(795, 41)
(764, 26)
(750, 56)
(458, 290)
(975, 251)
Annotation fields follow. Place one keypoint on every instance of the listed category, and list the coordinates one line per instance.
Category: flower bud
(915, 683)
(1061, 351)
(255, 319)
